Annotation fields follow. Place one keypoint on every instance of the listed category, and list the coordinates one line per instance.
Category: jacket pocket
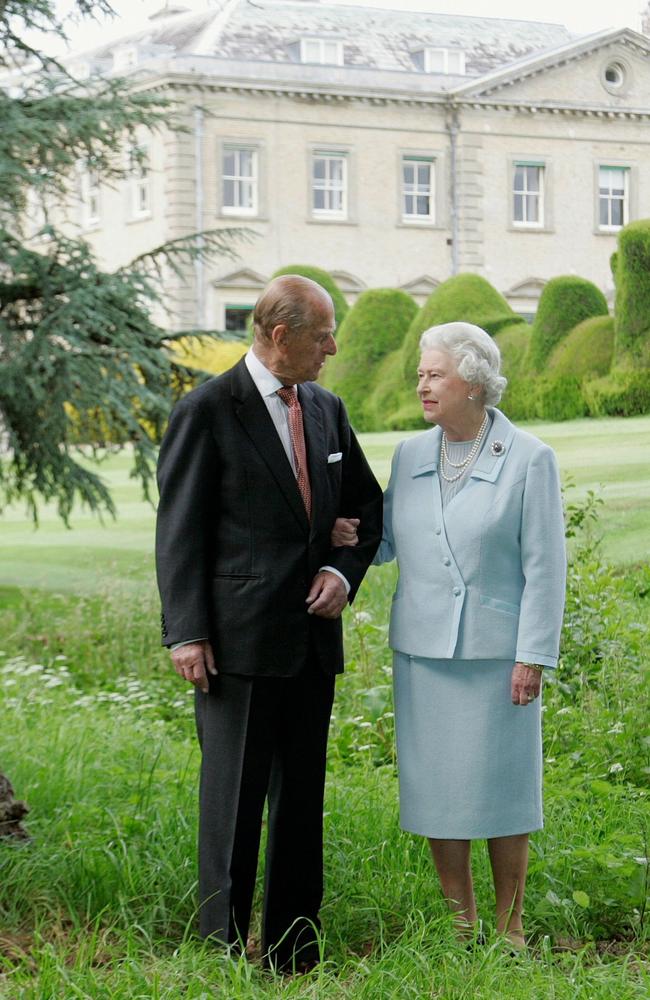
(236, 576)
(498, 605)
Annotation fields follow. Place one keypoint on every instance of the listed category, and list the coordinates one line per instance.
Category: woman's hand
(344, 532)
(526, 684)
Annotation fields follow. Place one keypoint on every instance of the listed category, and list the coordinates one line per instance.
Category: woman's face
(442, 391)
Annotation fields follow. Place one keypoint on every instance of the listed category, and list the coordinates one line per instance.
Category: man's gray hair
(477, 357)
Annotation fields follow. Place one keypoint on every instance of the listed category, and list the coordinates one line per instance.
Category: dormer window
(323, 51)
(125, 58)
(448, 61)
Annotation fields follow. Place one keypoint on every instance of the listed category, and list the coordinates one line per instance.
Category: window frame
(87, 192)
(235, 146)
(542, 222)
(626, 170)
(139, 181)
(327, 214)
(417, 219)
(429, 52)
(321, 42)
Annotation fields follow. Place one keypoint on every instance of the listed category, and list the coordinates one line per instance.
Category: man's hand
(525, 685)
(193, 662)
(327, 596)
(344, 532)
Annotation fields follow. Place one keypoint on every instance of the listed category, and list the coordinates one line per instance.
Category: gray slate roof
(269, 30)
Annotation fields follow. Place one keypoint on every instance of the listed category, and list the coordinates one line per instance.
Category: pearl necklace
(463, 466)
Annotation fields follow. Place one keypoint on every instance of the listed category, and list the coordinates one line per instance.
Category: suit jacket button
(456, 591)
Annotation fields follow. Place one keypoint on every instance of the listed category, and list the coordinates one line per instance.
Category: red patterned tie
(289, 396)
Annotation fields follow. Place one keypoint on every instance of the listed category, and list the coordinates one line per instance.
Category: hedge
(619, 394)
(373, 328)
(466, 297)
(564, 302)
(587, 351)
(325, 280)
(393, 404)
(633, 295)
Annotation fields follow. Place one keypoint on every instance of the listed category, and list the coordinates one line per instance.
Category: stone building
(391, 148)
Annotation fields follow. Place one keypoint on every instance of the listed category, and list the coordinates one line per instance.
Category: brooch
(497, 448)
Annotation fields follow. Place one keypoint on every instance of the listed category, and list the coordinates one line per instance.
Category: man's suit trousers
(263, 736)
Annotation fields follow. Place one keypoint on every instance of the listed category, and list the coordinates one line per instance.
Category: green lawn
(609, 456)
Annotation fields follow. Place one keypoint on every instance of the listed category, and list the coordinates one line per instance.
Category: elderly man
(254, 469)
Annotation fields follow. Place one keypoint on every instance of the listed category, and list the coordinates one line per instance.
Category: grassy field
(608, 456)
(97, 732)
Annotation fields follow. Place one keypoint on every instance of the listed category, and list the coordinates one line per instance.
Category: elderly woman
(473, 515)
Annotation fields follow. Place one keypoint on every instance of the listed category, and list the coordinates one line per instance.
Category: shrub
(564, 302)
(466, 297)
(619, 394)
(393, 405)
(325, 280)
(587, 351)
(513, 343)
(559, 398)
(208, 355)
(633, 295)
(519, 401)
(373, 328)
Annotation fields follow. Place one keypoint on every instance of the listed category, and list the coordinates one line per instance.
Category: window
(239, 176)
(613, 187)
(324, 51)
(140, 182)
(90, 200)
(236, 318)
(440, 61)
(329, 185)
(418, 189)
(528, 191)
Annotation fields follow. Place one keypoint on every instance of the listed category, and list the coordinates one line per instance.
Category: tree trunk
(11, 812)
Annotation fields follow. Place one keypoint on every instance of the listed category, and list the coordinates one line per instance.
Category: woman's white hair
(477, 357)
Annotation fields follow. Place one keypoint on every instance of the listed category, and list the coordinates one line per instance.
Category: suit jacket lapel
(254, 417)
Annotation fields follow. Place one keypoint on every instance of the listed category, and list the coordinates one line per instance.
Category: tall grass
(97, 732)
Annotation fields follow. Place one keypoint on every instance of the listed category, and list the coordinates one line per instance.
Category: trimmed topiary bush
(564, 302)
(392, 404)
(325, 280)
(466, 297)
(587, 351)
(559, 398)
(619, 394)
(373, 328)
(514, 344)
(633, 295)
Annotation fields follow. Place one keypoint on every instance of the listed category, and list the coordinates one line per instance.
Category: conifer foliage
(81, 362)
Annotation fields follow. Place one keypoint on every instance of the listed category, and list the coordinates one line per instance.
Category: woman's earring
(470, 397)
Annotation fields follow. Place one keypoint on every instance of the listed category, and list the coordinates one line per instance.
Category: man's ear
(279, 335)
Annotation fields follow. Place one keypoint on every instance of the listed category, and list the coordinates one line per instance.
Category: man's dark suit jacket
(235, 552)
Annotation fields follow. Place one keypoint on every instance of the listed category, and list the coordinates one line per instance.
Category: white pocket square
(336, 456)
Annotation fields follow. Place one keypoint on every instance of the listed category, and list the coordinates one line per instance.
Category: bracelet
(534, 666)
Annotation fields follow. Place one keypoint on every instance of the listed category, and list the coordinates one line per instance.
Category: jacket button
(447, 562)
(456, 591)
(437, 531)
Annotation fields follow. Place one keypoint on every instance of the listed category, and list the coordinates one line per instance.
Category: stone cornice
(444, 102)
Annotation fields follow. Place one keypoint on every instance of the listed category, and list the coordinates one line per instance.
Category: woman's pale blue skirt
(470, 762)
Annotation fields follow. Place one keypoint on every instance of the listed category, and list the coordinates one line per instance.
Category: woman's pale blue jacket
(486, 581)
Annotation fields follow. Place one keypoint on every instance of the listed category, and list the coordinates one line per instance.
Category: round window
(615, 77)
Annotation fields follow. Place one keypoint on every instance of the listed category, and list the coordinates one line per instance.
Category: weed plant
(97, 732)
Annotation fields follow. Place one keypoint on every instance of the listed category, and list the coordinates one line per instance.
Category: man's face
(305, 352)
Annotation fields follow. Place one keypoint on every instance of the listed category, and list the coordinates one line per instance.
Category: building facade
(391, 148)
